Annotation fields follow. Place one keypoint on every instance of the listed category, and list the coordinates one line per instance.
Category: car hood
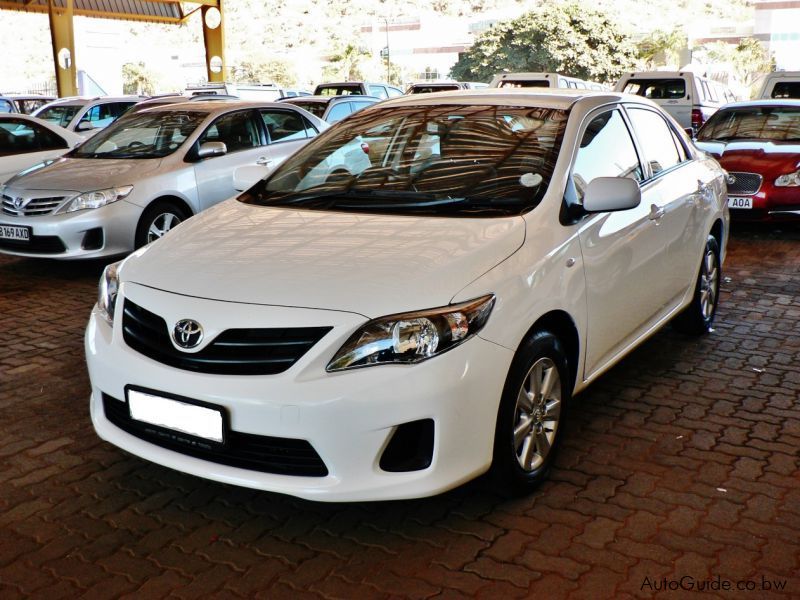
(368, 264)
(766, 158)
(84, 174)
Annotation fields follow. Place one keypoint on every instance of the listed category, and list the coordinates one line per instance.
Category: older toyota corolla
(411, 299)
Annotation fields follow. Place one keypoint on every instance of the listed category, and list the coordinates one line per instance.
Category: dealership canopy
(154, 11)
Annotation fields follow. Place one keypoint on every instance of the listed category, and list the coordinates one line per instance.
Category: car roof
(215, 106)
(789, 102)
(559, 98)
(325, 99)
(82, 101)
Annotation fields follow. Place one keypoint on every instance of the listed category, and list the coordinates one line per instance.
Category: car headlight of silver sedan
(412, 337)
(98, 198)
(107, 292)
(788, 180)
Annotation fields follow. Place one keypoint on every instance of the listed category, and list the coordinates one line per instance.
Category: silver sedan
(140, 177)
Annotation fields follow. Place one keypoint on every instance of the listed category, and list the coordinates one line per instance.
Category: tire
(697, 318)
(520, 465)
(157, 219)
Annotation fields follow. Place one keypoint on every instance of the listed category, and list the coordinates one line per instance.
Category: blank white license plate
(13, 232)
(179, 416)
(740, 202)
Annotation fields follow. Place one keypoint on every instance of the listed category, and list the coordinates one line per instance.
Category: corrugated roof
(159, 11)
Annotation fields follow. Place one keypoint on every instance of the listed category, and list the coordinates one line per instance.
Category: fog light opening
(410, 449)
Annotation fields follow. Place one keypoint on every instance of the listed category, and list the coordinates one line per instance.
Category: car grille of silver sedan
(743, 183)
(34, 207)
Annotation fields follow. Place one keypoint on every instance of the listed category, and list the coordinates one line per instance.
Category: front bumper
(347, 417)
(770, 204)
(65, 235)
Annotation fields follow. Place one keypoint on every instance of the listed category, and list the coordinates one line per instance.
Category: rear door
(671, 187)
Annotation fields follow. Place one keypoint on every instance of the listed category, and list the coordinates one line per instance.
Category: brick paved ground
(682, 461)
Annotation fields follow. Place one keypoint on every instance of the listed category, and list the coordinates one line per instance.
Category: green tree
(348, 63)
(138, 79)
(270, 70)
(662, 48)
(566, 38)
(748, 59)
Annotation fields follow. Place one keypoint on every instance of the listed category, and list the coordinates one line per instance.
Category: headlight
(412, 337)
(107, 294)
(788, 180)
(99, 198)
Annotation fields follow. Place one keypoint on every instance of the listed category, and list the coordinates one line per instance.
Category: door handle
(263, 161)
(655, 213)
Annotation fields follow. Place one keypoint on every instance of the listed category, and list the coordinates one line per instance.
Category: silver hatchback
(135, 180)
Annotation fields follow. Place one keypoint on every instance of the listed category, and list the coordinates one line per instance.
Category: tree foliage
(138, 79)
(566, 38)
(748, 59)
(349, 63)
(255, 69)
(662, 48)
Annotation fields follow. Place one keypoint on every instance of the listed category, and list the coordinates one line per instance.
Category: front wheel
(529, 421)
(697, 318)
(157, 220)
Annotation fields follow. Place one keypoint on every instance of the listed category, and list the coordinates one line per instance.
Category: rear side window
(5, 106)
(285, 126)
(378, 91)
(656, 139)
(510, 83)
(657, 89)
(606, 150)
(786, 89)
(21, 137)
(339, 112)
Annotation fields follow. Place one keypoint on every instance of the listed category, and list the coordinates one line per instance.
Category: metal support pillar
(214, 40)
(63, 40)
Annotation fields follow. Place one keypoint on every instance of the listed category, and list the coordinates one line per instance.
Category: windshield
(774, 123)
(142, 135)
(315, 108)
(60, 114)
(427, 89)
(442, 160)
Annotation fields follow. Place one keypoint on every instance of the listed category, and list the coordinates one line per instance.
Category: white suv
(86, 116)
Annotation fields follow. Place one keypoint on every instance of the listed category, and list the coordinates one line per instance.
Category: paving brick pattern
(681, 462)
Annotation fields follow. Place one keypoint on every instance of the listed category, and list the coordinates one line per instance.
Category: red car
(758, 143)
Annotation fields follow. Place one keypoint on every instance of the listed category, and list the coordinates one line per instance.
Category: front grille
(37, 244)
(283, 456)
(232, 352)
(744, 184)
(37, 207)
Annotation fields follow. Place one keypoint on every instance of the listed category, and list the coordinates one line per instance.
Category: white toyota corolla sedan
(413, 298)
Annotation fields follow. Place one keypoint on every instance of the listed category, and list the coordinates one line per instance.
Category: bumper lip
(117, 220)
(347, 417)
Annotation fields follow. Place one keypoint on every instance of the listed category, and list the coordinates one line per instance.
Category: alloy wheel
(709, 283)
(536, 414)
(161, 225)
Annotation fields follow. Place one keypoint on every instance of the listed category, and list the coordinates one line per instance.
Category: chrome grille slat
(36, 207)
(744, 183)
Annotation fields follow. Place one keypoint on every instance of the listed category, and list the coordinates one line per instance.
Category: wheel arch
(173, 199)
(717, 230)
(562, 325)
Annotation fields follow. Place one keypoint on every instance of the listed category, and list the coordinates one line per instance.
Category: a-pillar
(214, 40)
(63, 39)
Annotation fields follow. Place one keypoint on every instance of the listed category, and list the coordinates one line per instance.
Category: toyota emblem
(19, 203)
(187, 333)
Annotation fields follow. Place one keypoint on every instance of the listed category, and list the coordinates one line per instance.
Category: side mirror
(606, 194)
(690, 132)
(247, 176)
(211, 149)
(84, 126)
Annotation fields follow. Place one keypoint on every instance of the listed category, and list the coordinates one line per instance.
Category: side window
(236, 130)
(682, 154)
(339, 111)
(311, 131)
(606, 150)
(394, 92)
(284, 126)
(16, 137)
(655, 136)
(378, 91)
(6, 107)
